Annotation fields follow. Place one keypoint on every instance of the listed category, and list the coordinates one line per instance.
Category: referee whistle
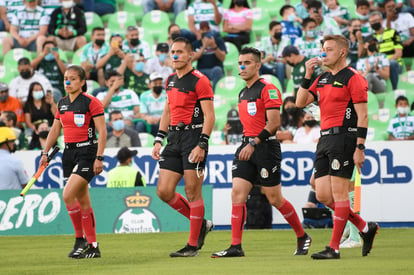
(323, 54)
(175, 57)
(67, 82)
(242, 67)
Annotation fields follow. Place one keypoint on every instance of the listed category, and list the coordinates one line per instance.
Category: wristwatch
(252, 142)
(100, 158)
(203, 145)
(361, 146)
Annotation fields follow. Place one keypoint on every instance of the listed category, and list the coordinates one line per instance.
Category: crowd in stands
(124, 46)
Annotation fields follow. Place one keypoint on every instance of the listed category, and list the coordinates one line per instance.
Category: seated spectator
(67, 26)
(124, 175)
(210, 52)
(233, 130)
(121, 135)
(389, 44)
(113, 58)
(52, 67)
(6, 10)
(38, 142)
(133, 71)
(100, 7)
(310, 132)
(309, 44)
(289, 21)
(132, 43)
(19, 86)
(324, 25)
(339, 13)
(237, 23)
(272, 46)
(291, 120)
(118, 98)
(297, 61)
(204, 10)
(10, 103)
(401, 126)
(175, 6)
(92, 52)
(356, 41)
(27, 34)
(50, 5)
(301, 9)
(362, 13)
(9, 119)
(152, 105)
(161, 63)
(175, 31)
(375, 67)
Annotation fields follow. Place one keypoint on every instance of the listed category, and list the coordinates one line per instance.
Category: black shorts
(335, 155)
(263, 167)
(79, 161)
(174, 157)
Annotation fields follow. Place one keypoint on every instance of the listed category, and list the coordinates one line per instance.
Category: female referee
(80, 115)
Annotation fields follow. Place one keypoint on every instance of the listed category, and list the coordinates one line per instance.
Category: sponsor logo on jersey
(273, 94)
(79, 119)
(337, 84)
(64, 108)
(251, 108)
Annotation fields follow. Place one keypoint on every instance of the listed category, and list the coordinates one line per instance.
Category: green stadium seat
(7, 74)
(92, 21)
(147, 140)
(11, 58)
(217, 138)
(134, 6)
(182, 20)
(373, 106)
(271, 6)
(377, 130)
(76, 57)
(232, 58)
(228, 88)
(119, 21)
(69, 55)
(273, 79)
(92, 85)
(261, 20)
(289, 87)
(156, 22)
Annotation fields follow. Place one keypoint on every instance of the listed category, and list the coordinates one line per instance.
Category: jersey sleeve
(312, 88)
(272, 97)
(204, 89)
(96, 107)
(358, 88)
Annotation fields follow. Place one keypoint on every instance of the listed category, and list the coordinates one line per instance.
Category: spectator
(375, 67)
(124, 175)
(100, 7)
(9, 119)
(67, 26)
(356, 41)
(175, 6)
(272, 46)
(210, 53)
(301, 9)
(161, 63)
(339, 13)
(6, 10)
(10, 103)
(389, 44)
(309, 44)
(13, 175)
(324, 25)
(113, 58)
(362, 13)
(175, 31)
(401, 126)
(310, 132)
(237, 23)
(292, 118)
(92, 52)
(297, 61)
(27, 34)
(52, 67)
(42, 130)
(132, 43)
(50, 5)
(117, 98)
(289, 21)
(204, 10)
(152, 105)
(133, 71)
(233, 130)
(19, 86)
(121, 135)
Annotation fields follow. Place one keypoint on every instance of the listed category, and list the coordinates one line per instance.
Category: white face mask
(29, 9)
(403, 110)
(67, 4)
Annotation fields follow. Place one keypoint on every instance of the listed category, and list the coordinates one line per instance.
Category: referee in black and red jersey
(257, 160)
(342, 96)
(188, 118)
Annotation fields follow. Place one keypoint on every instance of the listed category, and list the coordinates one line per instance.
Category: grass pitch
(267, 252)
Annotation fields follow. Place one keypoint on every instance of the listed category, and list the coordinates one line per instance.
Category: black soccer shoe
(80, 245)
(91, 252)
(187, 251)
(205, 228)
(232, 251)
(303, 245)
(368, 237)
(327, 254)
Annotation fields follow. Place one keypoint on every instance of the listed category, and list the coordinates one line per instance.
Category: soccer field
(267, 252)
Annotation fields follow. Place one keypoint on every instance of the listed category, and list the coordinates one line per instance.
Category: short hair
(362, 3)
(171, 26)
(314, 4)
(372, 14)
(250, 50)
(97, 29)
(306, 21)
(339, 39)
(110, 74)
(386, 2)
(23, 61)
(272, 24)
(352, 20)
(115, 112)
(401, 98)
(10, 115)
(184, 40)
(284, 8)
(48, 42)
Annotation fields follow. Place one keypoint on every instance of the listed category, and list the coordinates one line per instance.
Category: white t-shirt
(28, 23)
(402, 25)
(123, 101)
(203, 11)
(153, 65)
(401, 127)
(301, 137)
(19, 87)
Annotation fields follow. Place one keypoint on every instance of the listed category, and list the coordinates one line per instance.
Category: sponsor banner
(117, 210)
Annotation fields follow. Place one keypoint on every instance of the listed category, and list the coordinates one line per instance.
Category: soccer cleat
(80, 245)
(350, 243)
(327, 254)
(368, 237)
(91, 252)
(205, 228)
(187, 251)
(303, 245)
(232, 251)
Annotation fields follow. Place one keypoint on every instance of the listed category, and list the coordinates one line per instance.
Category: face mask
(310, 123)
(372, 47)
(403, 110)
(67, 4)
(43, 134)
(291, 17)
(157, 89)
(26, 74)
(3, 98)
(161, 57)
(118, 125)
(376, 26)
(134, 42)
(99, 42)
(277, 35)
(362, 17)
(30, 9)
(49, 57)
(311, 34)
(38, 95)
(239, 3)
(139, 66)
(291, 111)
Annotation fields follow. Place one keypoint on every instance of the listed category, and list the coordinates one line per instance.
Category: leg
(280, 72)
(80, 42)
(178, 6)
(149, 5)
(7, 44)
(103, 9)
(394, 72)
(39, 44)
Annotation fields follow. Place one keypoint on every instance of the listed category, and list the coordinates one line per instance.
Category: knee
(165, 195)
(68, 198)
(323, 198)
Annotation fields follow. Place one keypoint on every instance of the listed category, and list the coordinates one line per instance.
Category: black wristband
(362, 132)
(159, 138)
(264, 134)
(204, 138)
(306, 83)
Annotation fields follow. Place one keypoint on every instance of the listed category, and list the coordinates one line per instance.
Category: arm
(42, 31)
(384, 72)
(164, 122)
(36, 61)
(101, 62)
(28, 121)
(217, 15)
(3, 17)
(101, 128)
(53, 135)
(81, 24)
(361, 110)
(192, 27)
(397, 54)
(304, 97)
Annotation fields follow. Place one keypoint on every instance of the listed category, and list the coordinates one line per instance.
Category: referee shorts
(335, 155)
(175, 155)
(263, 167)
(79, 161)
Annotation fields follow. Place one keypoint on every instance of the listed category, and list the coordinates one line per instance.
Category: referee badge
(79, 119)
(251, 108)
(264, 173)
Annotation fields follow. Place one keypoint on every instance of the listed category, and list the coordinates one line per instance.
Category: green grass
(267, 252)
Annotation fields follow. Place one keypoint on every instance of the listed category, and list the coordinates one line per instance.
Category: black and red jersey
(336, 95)
(253, 103)
(184, 96)
(77, 117)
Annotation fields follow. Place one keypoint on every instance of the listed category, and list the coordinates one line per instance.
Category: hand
(119, 82)
(97, 167)
(197, 154)
(246, 152)
(112, 51)
(156, 151)
(358, 35)
(310, 66)
(359, 158)
(367, 65)
(43, 161)
(49, 98)
(129, 58)
(24, 42)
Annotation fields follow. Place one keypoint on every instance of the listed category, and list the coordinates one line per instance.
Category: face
(331, 4)
(110, 82)
(132, 34)
(75, 82)
(43, 127)
(390, 8)
(37, 88)
(310, 26)
(174, 29)
(356, 25)
(363, 10)
(116, 41)
(98, 35)
(156, 82)
(251, 66)
(288, 12)
(183, 54)
(402, 103)
(333, 52)
(22, 68)
(277, 28)
(315, 13)
(115, 117)
(374, 19)
(308, 117)
(31, 4)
